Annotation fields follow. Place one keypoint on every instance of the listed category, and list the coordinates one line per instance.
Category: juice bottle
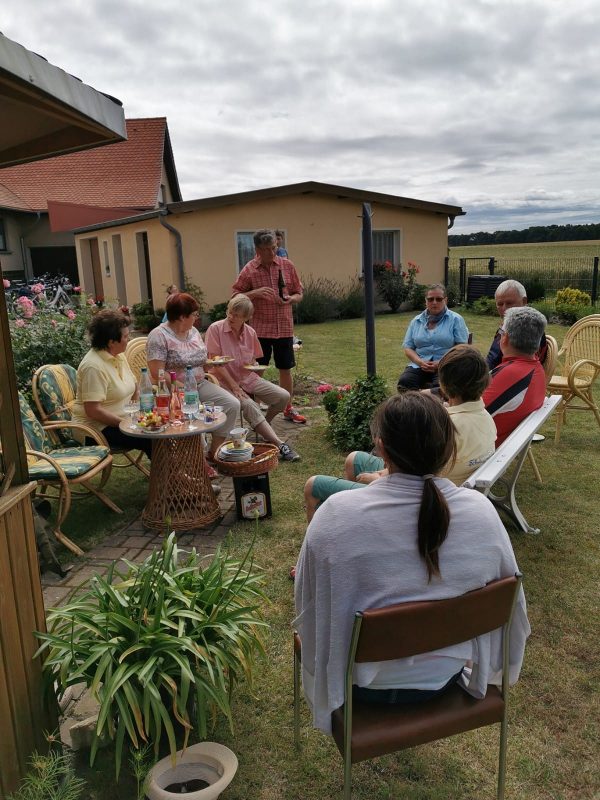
(162, 396)
(175, 413)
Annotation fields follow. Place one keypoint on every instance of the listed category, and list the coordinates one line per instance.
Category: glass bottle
(281, 284)
(191, 401)
(146, 393)
(162, 396)
(175, 413)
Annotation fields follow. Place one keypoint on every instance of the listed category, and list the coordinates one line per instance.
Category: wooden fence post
(595, 281)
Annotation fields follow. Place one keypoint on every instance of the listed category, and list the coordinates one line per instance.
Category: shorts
(282, 349)
(324, 486)
(365, 462)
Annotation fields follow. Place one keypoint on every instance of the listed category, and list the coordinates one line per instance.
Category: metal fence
(548, 275)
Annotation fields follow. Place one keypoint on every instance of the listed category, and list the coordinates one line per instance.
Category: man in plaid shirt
(273, 286)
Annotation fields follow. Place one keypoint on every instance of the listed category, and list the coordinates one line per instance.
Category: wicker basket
(265, 459)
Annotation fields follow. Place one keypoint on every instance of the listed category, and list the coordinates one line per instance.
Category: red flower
(404, 274)
(418, 270)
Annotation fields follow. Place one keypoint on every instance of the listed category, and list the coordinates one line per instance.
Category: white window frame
(244, 232)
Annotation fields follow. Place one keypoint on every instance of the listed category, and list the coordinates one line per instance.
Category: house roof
(341, 192)
(123, 175)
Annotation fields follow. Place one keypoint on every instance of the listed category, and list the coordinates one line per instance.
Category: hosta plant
(151, 639)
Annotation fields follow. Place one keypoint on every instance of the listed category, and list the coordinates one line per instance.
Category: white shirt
(360, 552)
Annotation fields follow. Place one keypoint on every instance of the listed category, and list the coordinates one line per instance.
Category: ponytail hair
(417, 435)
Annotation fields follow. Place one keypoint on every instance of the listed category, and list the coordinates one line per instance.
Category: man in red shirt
(518, 385)
(273, 286)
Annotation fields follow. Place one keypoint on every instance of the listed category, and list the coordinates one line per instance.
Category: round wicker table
(179, 485)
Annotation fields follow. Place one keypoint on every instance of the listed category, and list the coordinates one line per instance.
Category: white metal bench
(514, 447)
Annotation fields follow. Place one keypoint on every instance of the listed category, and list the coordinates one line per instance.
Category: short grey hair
(436, 287)
(507, 286)
(264, 236)
(524, 327)
(241, 303)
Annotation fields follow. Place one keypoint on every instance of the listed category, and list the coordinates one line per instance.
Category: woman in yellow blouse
(105, 381)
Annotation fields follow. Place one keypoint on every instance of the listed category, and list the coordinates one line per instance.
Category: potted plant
(150, 641)
(146, 317)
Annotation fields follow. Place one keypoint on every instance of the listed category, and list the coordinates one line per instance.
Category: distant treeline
(538, 233)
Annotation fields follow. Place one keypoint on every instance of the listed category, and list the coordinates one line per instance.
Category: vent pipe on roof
(178, 244)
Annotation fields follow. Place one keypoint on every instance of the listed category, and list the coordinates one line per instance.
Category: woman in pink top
(232, 337)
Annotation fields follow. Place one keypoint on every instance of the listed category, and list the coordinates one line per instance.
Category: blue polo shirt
(431, 345)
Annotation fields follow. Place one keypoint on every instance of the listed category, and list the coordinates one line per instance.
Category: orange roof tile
(122, 175)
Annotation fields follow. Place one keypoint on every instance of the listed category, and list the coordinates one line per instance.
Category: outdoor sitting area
(550, 563)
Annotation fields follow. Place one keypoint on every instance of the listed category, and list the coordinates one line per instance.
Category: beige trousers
(274, 396)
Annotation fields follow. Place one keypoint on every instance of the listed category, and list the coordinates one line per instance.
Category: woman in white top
(408, 536)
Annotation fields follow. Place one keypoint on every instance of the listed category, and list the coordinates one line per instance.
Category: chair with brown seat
(579, 368)
(363, 731)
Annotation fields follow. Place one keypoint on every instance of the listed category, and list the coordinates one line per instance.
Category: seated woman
(174, 345)
(463, 378)
(105, 382)
(428, 338)
(410, 536)
(232, 337)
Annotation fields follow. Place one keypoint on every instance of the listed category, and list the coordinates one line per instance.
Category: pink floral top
(164, 345)
(222, 341)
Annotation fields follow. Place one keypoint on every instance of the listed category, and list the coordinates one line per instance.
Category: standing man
(281, 251)
(510, 294)
(271, 282)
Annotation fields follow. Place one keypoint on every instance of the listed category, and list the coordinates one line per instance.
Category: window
(245, 248)
(386, 246)
(3, 244)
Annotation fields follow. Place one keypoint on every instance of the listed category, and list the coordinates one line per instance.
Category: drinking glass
(190, 409)
(132, 407)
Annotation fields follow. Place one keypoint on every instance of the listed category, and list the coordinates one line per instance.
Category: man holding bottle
(271, 282)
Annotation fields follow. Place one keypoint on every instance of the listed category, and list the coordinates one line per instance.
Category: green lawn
(554, 717)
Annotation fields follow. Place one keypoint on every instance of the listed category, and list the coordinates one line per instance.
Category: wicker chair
(62, 468)
(579, 368)
(136, 356)
(54, 388)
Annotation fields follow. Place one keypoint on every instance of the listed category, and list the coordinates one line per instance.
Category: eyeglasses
(435, 299)
(272, 249)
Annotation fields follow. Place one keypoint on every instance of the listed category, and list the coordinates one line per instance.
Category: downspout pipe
(178, 244)
(27, 270)
(451, 222)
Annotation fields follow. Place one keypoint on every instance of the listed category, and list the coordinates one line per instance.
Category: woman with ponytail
(408, 536)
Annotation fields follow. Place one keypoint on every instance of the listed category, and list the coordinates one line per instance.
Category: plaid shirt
(270, 320)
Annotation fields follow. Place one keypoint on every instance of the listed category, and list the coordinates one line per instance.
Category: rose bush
(394, 286)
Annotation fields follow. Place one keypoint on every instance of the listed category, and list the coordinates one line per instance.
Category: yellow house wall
(322, 235)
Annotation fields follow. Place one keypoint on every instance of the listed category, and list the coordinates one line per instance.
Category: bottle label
(146, 402)
(189, 398)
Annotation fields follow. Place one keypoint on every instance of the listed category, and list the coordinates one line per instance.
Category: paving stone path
(136, 543)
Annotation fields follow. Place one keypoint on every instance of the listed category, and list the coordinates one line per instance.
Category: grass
(555, 709)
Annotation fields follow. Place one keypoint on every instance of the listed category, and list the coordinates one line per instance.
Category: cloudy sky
(492, 105)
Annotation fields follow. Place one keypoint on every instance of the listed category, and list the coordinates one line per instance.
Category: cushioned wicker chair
(62, 468)
(579, 368)
(363, 730)
(136, 356)
(54, 389)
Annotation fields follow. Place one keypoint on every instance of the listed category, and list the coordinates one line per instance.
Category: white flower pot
(208, 761)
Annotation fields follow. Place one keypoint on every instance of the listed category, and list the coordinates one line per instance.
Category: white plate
(218, 360)
(255, 367)
(153, 430)
(229, 447)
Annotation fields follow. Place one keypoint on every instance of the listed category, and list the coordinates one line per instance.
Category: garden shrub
(46, 337)
(350, 424)
(331, 395)
(320, 301)
(393, 284)
(196, 292)
(453, 294)
(534, 289)
(570, 303)
(218, 311)
(145, 316)
(485, 306)
(547, 309)
(352, 301)
(419, 293)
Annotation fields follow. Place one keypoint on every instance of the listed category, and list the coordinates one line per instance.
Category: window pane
(2, 237)
(245, 248)
(383, 246)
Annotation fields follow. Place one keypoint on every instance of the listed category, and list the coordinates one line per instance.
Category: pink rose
(53, 321)
(6, 283)
(19, 323)
(77, 288)
(37, 288)
(324, 387)
(91, 302)
(71, 314)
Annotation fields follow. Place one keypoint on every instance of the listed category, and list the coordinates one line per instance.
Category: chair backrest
(54, 389)
(35, 436)
(549, 364)
(136, 356)
(583, 341)
(409, 629)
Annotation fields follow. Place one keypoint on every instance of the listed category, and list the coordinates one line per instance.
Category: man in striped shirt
(518, 384)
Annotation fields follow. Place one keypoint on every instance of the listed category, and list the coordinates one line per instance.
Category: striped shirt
(518, 387)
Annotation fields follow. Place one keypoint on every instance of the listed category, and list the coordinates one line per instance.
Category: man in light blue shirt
(281, 251)
(429, 336)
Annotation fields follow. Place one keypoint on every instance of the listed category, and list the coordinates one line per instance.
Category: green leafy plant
(535, 289)
(350, 422)
(331, 396)
(547, 309)
(320, 300)
(394, 286)
(196, 292)
(419, 293)
(145, 316)
(150, 641)
(453, 294)
(485, 306)
(218, 311)
(40, 336)
(352, 301)
(569, 304)
(50, 777)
